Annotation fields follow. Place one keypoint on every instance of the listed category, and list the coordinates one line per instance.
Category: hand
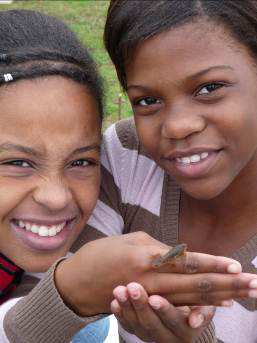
(86, 280)
(155, 319)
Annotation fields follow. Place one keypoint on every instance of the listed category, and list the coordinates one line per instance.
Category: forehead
(185, 50)
(35, 110)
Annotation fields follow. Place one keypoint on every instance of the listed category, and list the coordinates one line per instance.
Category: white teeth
(59, 227)
(193, 158)
(185, 160)
(21, 223)
(204, 155)
(34, 228)
(52, 232)
(42, 230)
(27, 226)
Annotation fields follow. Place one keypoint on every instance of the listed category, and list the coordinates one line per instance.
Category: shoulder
(122, 133)
(123, 136)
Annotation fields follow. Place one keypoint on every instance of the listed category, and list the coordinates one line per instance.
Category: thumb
(201, 316)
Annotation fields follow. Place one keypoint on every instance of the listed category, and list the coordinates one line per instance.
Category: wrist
(68, 287)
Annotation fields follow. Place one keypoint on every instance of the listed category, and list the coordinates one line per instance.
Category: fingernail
(234, 268)
(227, 303)
(115, 306)
(253, 284)
(155, 303)
(252, 294)
(122, 296)
(134, 291)
(197, 321)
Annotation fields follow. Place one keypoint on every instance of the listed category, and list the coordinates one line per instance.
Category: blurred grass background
(86, 18)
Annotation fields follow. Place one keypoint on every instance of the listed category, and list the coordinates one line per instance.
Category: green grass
(86, 18)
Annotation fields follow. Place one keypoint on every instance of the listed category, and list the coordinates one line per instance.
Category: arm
(5, 307)
(130, 257)
(77, 289)
(42, 314)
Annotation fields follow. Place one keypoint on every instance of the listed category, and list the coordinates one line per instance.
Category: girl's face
(194, 94)
(49, 168)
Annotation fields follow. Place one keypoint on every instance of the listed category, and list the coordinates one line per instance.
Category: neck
(231, 213)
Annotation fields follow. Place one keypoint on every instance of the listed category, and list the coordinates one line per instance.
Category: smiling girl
(52, 283)
(50, 123)
(185, 170)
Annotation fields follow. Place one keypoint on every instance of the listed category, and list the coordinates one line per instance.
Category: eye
(19, 163)
(81, 163)
(209, 88)
(147, 101)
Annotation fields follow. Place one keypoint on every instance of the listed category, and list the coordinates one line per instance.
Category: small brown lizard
(174, 253)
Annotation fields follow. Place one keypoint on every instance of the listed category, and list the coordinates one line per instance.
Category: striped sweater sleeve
(41, 316)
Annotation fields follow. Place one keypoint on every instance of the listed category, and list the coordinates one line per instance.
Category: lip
(194, 170)
(185, 153)
(46, 222)
(38, 243)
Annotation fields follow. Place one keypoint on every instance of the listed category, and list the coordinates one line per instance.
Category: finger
(221, 298)
(115, 307)
(184, 310)
(221, 303)
(117, 311)
(176, 319)
(200, 283)
(194, 262)
(166, 311)
(200, 316)
(147, 319)
(127, 313)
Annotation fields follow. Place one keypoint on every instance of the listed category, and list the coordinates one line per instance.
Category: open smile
(41, 230)
(43, 236)
(193, 165)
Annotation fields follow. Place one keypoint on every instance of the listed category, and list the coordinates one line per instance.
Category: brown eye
(81, 163)
(209, 88)
(147, 101)
(19, 163)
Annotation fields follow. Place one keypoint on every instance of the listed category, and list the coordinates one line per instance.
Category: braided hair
(34, 45)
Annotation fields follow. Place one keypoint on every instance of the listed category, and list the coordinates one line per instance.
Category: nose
(181, 122)
(52, 194)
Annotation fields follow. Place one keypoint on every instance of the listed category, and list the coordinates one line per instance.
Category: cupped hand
(155, 319)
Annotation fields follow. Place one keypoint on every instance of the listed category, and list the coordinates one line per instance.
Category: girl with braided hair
(50, 89)
(52, 283)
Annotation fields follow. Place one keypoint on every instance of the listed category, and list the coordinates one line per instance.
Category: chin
(40, 266)
(203, 191)
(40, 263)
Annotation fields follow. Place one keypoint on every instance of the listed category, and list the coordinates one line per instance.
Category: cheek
(12, 193)
(149, 134)
(87, 193)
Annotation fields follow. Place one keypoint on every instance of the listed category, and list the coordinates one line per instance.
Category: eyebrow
(17, 147)
(27, 150)
(190, 77)
(85, 149)
(207, 70)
